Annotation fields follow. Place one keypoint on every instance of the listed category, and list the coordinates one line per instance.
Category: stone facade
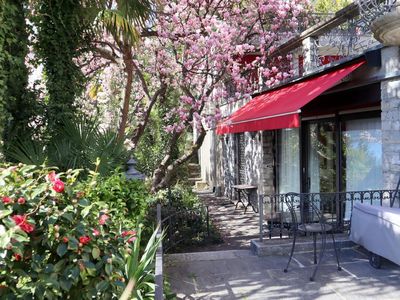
(268, 164)
(391, 131)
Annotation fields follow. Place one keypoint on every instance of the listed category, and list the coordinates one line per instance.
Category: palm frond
(120, 26)
(29, 152)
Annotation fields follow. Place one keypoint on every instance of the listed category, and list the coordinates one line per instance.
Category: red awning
(280, 108)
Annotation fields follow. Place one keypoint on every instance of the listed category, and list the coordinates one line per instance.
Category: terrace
(315, 162)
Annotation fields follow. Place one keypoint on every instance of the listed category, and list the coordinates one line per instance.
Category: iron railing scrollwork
(336, 208)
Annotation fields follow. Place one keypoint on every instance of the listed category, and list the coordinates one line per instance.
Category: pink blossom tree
(199, 49)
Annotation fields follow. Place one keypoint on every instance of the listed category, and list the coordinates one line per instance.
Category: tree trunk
(128, 91)
(163, 174)
(142, 126)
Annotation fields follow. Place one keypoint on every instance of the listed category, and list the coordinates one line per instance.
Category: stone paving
(236, 226)
(237, 274)
(230, 271)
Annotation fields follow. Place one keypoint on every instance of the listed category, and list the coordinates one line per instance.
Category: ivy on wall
(16, 102)
(61, 39)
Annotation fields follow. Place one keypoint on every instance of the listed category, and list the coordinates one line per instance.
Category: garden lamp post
(383, 17)
(132, 173)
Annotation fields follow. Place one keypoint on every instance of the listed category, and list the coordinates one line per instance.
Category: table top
(244, 187)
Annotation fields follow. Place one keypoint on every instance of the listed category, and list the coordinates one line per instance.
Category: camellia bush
(55, 242)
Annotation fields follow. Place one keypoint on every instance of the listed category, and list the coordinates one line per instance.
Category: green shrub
(126, 199)
(59, 238)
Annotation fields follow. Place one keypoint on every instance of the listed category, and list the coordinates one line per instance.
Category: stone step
(194, 167)
(194, 179)
(206, 256)
(283, 246)
(201, 185)
(194, 174)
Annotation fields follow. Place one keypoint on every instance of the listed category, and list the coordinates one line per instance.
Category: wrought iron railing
(184, 224)
(335, 207)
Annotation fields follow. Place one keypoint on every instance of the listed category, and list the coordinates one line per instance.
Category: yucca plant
(140, 268)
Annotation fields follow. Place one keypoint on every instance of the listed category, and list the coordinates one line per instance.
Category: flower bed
(58, 239)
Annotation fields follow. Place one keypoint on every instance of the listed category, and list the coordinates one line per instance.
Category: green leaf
(49, 268)
(85, 212)
(39, 189)
(68, 217)
(89, 265)
(59, 266)
(96, 253)
(62, 249)
(72, 243)
(102, 286)
(65, 284)
(9, 223)
(74, 274)
(5, 213)
(5, 238)
(109, 269)
(84, 202)
(20, 236)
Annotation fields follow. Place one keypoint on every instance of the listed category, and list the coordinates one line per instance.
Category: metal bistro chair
(308, 218)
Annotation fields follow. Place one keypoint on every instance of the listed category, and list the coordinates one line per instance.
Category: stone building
(334, 127)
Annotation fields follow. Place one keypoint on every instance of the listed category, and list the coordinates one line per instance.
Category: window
(288, 161)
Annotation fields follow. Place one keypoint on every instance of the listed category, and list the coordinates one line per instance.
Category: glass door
(321, 157)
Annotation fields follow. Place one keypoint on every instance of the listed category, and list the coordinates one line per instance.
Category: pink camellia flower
(96, 232)
(103, 218)
(128, 232)
(131, 234)
(6, 200)
(132, 239)
(58, 186)
(21, 200)
(84, 240)
(22, 223)
(52, 176)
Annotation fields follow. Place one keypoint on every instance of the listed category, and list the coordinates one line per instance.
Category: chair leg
(270, 228)
(336, 252)
(315, 247)
(321, 255)
(291, 252)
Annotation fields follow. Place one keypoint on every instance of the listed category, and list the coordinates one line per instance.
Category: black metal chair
(306, 217)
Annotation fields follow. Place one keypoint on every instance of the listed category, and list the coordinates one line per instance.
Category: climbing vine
(61, 38)
(15, 100)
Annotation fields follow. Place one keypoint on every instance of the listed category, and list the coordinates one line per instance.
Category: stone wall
(268, 163)
(253, 158)
(390, 105)
(391, 132)
(228, 164)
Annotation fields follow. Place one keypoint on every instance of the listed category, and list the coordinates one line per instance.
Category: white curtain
(289, 161)
(362, 148)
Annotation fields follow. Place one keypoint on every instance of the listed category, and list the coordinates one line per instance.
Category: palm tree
(124, 21)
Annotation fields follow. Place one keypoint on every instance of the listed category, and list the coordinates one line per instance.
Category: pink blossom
(22, 223)
(58, 186)
(6, 200)
(103, 218)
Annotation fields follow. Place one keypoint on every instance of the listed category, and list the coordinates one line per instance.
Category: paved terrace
(230, 271)
(237, 274)
(237, 228)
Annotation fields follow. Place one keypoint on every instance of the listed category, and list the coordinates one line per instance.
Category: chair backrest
(304, 209)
